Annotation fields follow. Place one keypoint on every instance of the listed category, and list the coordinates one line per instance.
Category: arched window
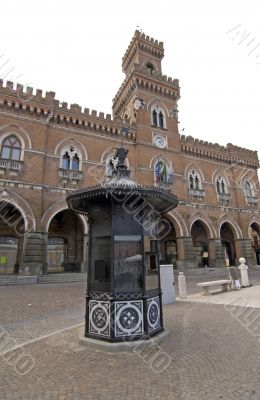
(248, 189)
(194, 180)
(154, 118)
(150, 66)
(11, 148)
(75, 163)
(70, 159)
(161, 120)
(221, 185)
(158, 117)
(66, 161)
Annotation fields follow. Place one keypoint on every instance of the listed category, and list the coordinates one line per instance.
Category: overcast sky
(74, 48)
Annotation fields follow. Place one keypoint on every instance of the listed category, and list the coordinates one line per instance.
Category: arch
(219, 172)
(21, 133)
(207, 224)
(178, 223)
(55, 209)
(233, 224)
(248, 186)
(191, 166)
(255, 221)
(71, 151)
(148, 61)
(157, 102)
(74, 142)
(15, 199)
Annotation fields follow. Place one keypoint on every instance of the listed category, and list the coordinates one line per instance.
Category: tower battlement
(143, 49)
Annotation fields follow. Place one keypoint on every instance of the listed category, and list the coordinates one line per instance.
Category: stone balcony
(224, 198)
(70, 177)
(11, 167)
(196, 195)
(251, 201)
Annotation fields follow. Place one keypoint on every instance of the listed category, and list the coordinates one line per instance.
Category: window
(194, 180)
(221, 185)
(150, 66)
(70, 159)
(248, 189)
(158, 117)
(11, 148)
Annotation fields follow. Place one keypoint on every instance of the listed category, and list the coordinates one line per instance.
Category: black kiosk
(123, 299)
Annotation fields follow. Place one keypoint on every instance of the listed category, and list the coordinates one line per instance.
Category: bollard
(243, 272)
(182, 286)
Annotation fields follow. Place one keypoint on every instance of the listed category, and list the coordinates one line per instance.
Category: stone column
(85, 253)
(34, 254)
(244, 249)
(216, 253)
(186, 253)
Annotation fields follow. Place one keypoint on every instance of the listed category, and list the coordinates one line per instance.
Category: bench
(206, 285)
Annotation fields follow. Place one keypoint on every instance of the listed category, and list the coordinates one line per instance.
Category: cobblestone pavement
(212, 353)
(212, 356)
(31, 311)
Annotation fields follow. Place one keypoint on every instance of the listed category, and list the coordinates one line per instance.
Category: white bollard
(182, 286)
(243, 271)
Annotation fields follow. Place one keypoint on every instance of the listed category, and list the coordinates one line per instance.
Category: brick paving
(212, 355)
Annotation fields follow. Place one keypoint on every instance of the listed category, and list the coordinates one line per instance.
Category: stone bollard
(182, 286)
(243, 272)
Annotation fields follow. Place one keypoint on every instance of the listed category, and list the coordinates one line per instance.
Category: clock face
(159, 141)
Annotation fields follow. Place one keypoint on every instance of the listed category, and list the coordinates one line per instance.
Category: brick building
(48, 149)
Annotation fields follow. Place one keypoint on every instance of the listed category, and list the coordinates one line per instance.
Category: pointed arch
(59, 206)
(178, 223)
(233, 225)
(8, 129)
(206, 222)
(15, 199)
(74, 142)
(192, 166)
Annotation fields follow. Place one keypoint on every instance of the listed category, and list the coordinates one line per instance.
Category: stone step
(62, 278)
(8, 280)
(202, 271)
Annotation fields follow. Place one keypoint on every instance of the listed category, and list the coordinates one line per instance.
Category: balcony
(196, 192)
(11, 167)
(70, 177)
(196, 195)
(251, 201)
(224, 198)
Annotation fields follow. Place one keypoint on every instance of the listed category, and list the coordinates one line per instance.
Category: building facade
(48, 150)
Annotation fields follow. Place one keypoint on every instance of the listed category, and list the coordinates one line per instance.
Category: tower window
(150, 67)
(158, 117)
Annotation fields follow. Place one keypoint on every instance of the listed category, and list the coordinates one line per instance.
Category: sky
(75, 49)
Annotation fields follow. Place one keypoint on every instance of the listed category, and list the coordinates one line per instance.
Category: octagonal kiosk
(123, 299)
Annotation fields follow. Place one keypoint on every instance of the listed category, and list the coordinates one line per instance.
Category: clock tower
(147, 101)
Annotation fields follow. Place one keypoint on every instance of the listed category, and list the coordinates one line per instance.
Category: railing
(196, 192)
(224, 197)
(70, 175)
(11, 165)
(251, 200)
